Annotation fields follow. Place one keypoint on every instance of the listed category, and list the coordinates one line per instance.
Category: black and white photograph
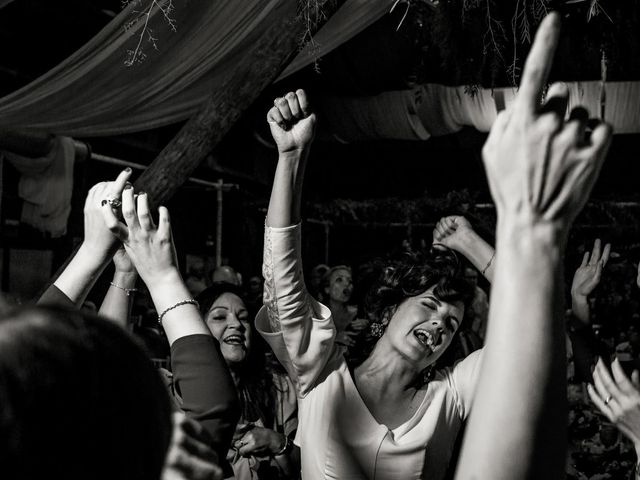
(319, 239)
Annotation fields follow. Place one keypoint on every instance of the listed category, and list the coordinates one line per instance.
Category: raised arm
(119, 298)
(457, 233)
(293, 127)
(150, 248)
(299, 330)
(98, 245)
(586, 279)
(200, 372)
(540, 173)
(586, 346)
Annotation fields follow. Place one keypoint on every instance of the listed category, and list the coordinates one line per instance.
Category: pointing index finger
(120, 182)
(538, 65)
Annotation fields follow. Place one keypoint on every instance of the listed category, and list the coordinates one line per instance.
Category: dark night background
(430, 46)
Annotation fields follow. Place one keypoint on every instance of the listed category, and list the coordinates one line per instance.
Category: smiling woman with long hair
(263, 447)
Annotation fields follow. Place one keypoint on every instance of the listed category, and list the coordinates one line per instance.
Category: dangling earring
(427, 374)
(377, 329)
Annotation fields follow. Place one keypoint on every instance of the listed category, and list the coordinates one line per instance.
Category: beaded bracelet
(488, 263)
(190, 301)
(126, 290)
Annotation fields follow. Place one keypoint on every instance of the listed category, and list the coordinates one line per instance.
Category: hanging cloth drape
(387, 115)
(433, 109)
(448, 109)
(46, 185)
(93, 93)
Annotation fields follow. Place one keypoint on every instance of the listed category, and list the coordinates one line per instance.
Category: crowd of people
(431, 377)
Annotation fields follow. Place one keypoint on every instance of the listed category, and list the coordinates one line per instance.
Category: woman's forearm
(80, 275)
(119, 298)
(479, 253)
(286, 193)
(580, 308)
(525, 332)
(172, 299)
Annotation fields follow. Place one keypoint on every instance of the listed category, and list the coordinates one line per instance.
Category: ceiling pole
(257, 70)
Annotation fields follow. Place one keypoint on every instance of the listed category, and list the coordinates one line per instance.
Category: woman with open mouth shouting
(386, 419)
(391, 416)
(337, 288)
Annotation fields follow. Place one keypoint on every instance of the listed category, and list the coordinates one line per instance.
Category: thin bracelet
(190, 301)
(488, 263)
(126, 290)
(286, 448)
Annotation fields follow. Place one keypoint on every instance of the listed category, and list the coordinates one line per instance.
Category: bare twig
(596, 9)
(166, 7)
(494, 29)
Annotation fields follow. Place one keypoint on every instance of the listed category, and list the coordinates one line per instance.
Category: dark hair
(413, 274)
(256, 389)
(79, 398)
(407, 276)
(209, 295)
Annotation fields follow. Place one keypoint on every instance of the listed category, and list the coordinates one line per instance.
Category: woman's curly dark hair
(413, 274)
(407, 276)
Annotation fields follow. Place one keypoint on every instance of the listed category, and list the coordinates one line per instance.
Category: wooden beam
(205, 129)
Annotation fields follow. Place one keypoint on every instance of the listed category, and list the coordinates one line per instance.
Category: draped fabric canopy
(433, 109)
(93, 92)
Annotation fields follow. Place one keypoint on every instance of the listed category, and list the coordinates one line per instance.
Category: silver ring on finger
(609, 398)
(112, 202)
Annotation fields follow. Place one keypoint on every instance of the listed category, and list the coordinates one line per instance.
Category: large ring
(113, 202)
(606, 402)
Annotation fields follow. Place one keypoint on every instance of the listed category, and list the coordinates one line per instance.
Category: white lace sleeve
(269, 295)
(300, 330)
